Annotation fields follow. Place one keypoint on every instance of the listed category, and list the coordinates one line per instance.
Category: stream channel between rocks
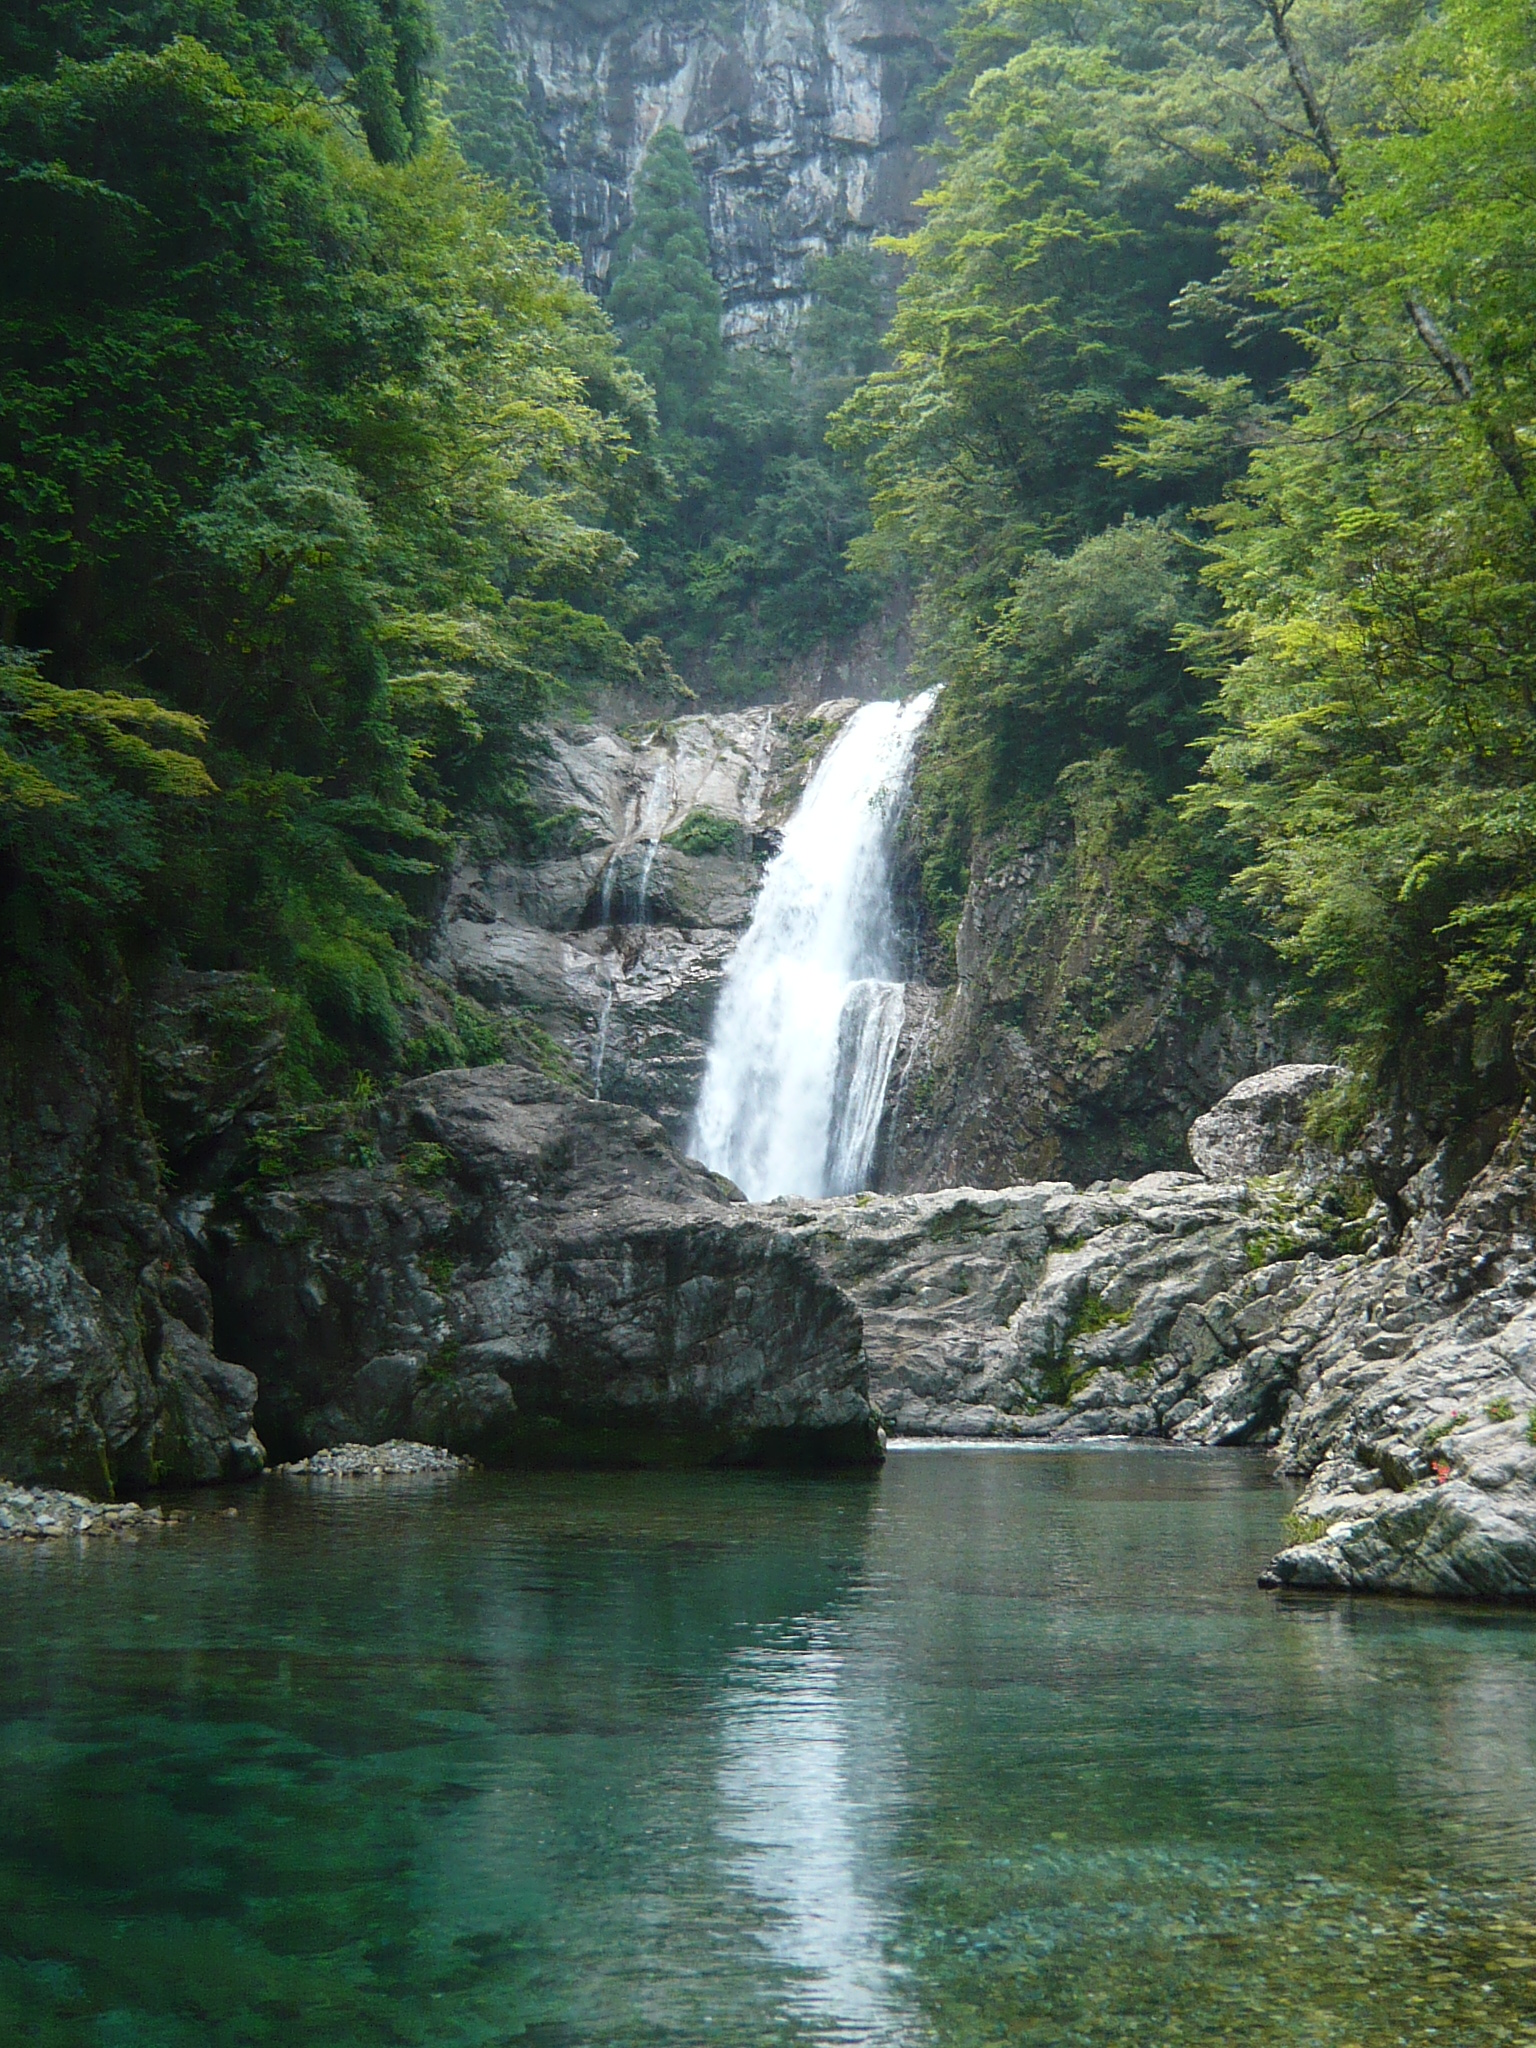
(992, 1746)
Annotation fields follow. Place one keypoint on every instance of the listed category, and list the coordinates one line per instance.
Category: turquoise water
(991, 1748)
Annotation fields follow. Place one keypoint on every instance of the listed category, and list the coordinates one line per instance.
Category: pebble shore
(369, 1461)
(33, 1513)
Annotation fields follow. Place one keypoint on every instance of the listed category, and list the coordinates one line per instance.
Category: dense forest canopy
(315, 468)
(321, 479)
(1203, 430)
(746, 561)
(1210, 420)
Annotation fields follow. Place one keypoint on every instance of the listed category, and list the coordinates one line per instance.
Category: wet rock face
(108, 1378)
(1081, 1034)
(522, 1273)
(616, 941)
(803, 124)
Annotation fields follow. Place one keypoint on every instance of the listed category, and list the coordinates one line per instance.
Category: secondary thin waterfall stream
(813, 1004)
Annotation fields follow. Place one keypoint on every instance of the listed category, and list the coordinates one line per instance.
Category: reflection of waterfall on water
(812, 1006)
(804, 1838)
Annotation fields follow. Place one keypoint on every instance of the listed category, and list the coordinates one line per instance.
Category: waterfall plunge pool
(984, 1749)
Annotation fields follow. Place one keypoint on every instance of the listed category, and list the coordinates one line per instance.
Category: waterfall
(812, 1006)
(652, 822)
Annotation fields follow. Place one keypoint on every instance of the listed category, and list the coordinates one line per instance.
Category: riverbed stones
(40, 1514)
(517, 1272)
(399, 1458)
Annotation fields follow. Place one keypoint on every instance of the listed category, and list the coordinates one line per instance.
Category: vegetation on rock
(1208, 424)
(745, 563)
(314, 472)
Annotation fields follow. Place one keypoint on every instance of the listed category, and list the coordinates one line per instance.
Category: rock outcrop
(1415, 1426)
(1042, 1312)
(1375, 1330)
(108, 1377)
(504, 1267)
(804, 125)
(615, 941)
(1079, 1026)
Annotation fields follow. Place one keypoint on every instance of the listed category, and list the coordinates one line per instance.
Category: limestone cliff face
(802, 122)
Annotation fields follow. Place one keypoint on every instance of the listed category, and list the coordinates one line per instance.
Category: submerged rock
(521, 1273)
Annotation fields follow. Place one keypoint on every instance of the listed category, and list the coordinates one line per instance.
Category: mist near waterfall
(813, 1002)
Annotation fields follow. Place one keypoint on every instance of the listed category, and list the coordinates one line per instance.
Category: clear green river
(993, 1747)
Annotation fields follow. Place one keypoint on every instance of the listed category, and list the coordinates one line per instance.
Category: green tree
(747, 563)
(1377, 564)
(486, 99)
(372, 54)
(314, 462)
(664, 299)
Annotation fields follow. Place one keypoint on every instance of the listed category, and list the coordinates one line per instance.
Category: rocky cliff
(1090, 1005)
(108, 1377)
(615, 938)
(493, 1262)
(803, 124)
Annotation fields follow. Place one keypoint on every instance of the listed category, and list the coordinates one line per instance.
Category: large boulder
(1259, 1127)
(109, 1381)
(495, 1263)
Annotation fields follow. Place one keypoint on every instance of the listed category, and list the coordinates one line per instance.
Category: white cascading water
(653, 819)
(812, 1007)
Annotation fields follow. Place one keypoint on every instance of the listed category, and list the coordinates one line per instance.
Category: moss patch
(704, 832)
(1094, 1314)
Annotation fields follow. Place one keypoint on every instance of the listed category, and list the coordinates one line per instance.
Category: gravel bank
(370, 1461)
(34, 1513)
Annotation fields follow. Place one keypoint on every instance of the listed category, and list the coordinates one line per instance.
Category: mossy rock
(706, 832)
